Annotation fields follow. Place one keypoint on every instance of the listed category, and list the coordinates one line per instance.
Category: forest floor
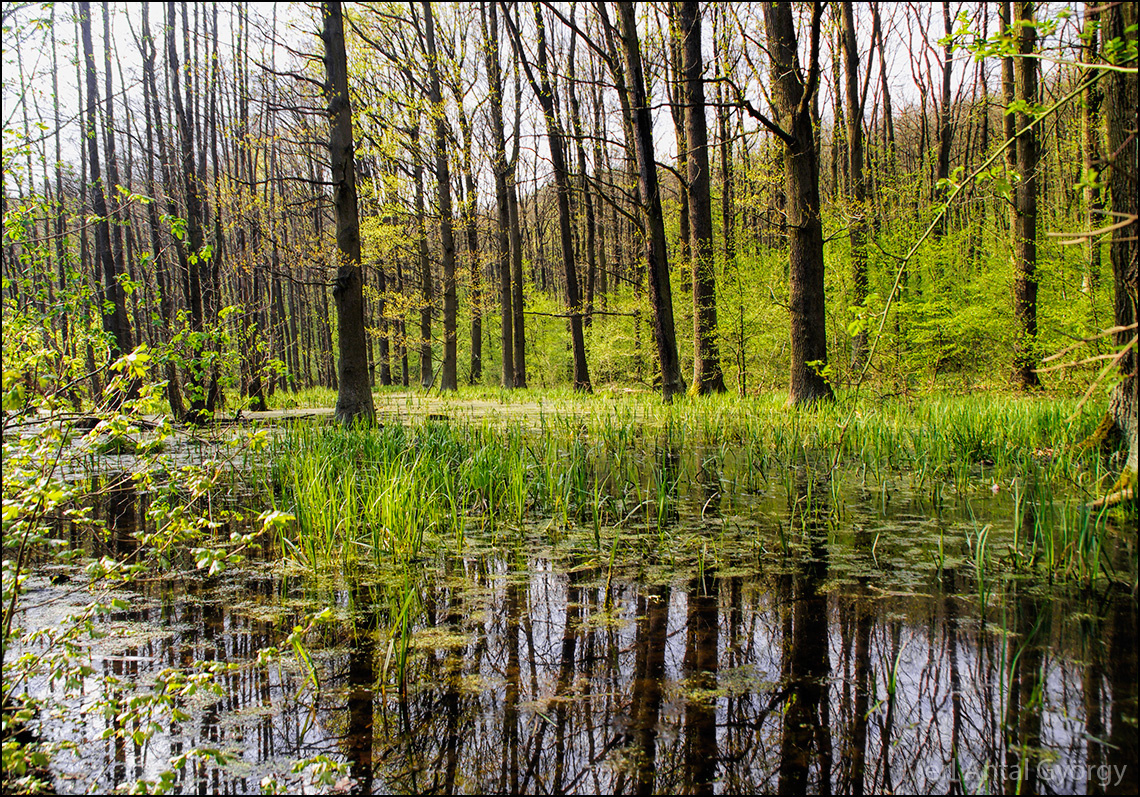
(403, 406)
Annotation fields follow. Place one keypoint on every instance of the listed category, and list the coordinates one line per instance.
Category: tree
(115, 322)
(1091, 149)
(354, 394)
(857, 231)
(500, 169)
(544, 91)
(449, 379)
(656, 257)
(707, 375)
(792, 94)
(1121, 95)
(1025, 200)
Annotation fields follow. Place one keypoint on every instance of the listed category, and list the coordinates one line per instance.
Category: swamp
(571, 596)
(569, 398)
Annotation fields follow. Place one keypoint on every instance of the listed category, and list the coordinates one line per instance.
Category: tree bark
(449, 379)
(656, 257)
(1091, 151)
(354, 395)
(1121, 96)
(857, 231)
(1025, 207)
(707, 375)
(502, 206)
(426, 293)
(792, 93)
(945, 131)
(115, 322)
(544, 91)
(166, 294)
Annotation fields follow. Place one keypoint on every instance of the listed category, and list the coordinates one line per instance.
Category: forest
(564, 397)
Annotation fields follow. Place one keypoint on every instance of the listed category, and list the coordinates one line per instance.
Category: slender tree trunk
(1091, 151)
(1025, 206)
(583, 185)
(656, 257)
(115, 322)
(707, 375)
(502, 204)
(545, 94)
(792, 97)
(354, 396)
(676, 85)
(162, 275)
(449, 379)
(945, 131)
(857, 230)
(198, 387)
(517, 277)
(426, 375)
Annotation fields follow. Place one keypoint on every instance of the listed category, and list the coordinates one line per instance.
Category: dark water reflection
(555, 673)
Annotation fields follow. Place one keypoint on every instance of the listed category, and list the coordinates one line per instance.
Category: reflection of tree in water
(549, 675)
(806, 732)
(361, 683)
(701, 664)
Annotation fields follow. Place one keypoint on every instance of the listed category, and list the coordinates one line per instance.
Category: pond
(813, 632)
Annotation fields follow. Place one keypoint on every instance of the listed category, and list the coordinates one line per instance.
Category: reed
(596, 467)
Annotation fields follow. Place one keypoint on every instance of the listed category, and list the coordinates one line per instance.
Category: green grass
(606, 464)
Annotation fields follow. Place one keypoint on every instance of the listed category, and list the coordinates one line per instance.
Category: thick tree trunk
(354, 396)
(707, 375)
(792, 97)
(1121, 96)
(656, 257)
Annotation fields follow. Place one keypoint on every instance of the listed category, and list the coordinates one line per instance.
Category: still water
(822, 638)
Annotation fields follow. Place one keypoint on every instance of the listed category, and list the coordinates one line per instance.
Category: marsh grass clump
(644, 471)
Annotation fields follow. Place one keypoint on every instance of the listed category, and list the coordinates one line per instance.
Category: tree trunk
(857, 231)
(426, 375)
(707, 375)
(1120, 100)
(114, 322)
(583, 185)
(502, 205)
(1025, 207)
(197, 386)
(162, 274)
(656, 257)
(354, 396)
(945, 132)
(1091, 151)
(792, 96)
(449, 379)
(545, 94)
